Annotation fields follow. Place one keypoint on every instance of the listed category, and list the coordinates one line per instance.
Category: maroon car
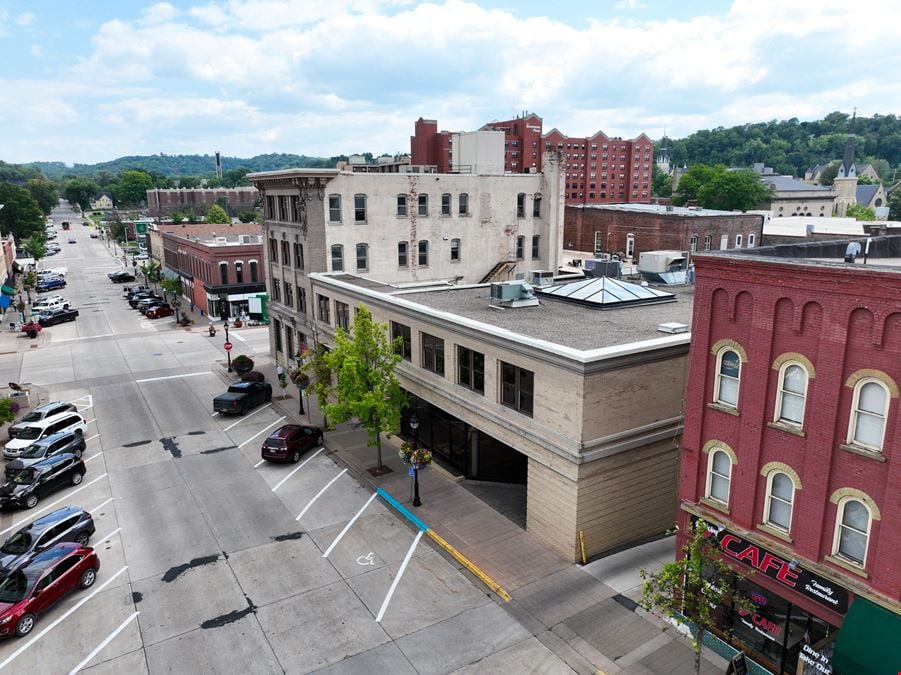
(288, 443)
(44, 580)
(158, 311)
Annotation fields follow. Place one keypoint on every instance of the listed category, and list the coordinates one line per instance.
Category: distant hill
(183, 165)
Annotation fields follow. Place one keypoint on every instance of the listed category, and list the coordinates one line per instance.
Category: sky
(92, 81)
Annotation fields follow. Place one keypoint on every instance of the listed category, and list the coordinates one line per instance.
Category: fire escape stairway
(498, 271)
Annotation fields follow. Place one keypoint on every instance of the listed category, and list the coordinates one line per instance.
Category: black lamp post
(228, 352)
(414, 425)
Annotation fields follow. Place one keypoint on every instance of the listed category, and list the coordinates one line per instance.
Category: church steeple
(847, 169)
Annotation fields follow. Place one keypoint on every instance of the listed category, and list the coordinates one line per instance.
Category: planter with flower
(419, 459)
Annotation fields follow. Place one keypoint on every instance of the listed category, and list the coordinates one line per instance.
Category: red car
(158, 311)
(44, 580)
(289, 442)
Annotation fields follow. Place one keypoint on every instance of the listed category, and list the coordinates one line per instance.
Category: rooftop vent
(512, 294)
(540, 278)
(672, 327)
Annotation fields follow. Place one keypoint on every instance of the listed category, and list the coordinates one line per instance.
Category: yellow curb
(488, 581)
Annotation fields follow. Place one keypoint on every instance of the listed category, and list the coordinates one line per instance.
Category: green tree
(44, 193)
(133, 186)
(315, 365)
(29, 283)
(865, 180)
(7, 414)
(894, 205)
(236, 177)
(80, 191)
(366, 388)
(152, 272)
(734, 190)
(188, 181)
(36, 246)
(177, 217)
(217, 214)
(173, 285)
(20, 216)
(827, 175)
(692, 589)
(247, 216)
(860, 212)
(690, 183)
(662, 184)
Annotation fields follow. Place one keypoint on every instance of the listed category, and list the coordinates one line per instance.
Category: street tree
(173, 285)
(7, 411)
(692, 589)
(247, 216)
(366, 388)
(44, 193)
(36, 245)
(20, 216)
(133, 186)
(29, 283)
(152, 272)
(314, 364)
(734, 190)
(217, 214)
(81, 191)
(860, 212)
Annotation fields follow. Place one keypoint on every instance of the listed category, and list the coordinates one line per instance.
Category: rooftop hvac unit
(540, 278)
(512, 294)
(669, 267)
(600, 267)
(248, 239)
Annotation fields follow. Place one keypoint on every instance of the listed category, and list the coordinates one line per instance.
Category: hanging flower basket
(418, 459)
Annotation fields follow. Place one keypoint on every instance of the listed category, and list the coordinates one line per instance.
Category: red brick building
(218, 274)
(166, 201)
(628, 229)
(792, 450)
(599, 169)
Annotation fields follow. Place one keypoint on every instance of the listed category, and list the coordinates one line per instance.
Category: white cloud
(37, 51)
(161, 12)
(25, 19)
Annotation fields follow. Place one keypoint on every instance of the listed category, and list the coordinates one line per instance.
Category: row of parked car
(146, 301)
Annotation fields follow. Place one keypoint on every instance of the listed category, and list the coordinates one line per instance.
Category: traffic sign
(228, 346)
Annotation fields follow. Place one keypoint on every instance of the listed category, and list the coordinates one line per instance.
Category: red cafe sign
(789, 574)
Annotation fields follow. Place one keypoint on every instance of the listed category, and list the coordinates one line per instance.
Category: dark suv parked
(39, 413)
(69, 523)
(56, 444)
(28, 486)
(289, 442)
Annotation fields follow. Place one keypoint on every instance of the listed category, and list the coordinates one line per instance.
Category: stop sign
(228, 346)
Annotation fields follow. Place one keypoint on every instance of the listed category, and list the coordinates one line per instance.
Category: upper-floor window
(239, 272)
(273, 250)
(445, 204)
(719, 475)
(402, 339)
(301, 301)
(517, 387)
(780, 496)
(536, 206)
(223, 273)
(254, 272)
(286, 253)
(423, 205)
(401, 205)
(752, 240)
(463, 204)
(471, 370)
(289, 294)
(362, 257)
(432, 357)
(337, 258)
(869, 409)
(455, 250)
(852, 531)
(738, 241)
(360, 208)
(536, 246)
(270, 208)
(791, 395)
(298, 255)
(521, 205)
(423, 252)
(520, 247)
(276, 290)
(708, 242)
(403, 256)
(334, 208)
(323, 304)
(728, 374)
(693, 243)
(342, 315)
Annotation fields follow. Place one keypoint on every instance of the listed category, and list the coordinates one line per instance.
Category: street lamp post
(228, 352)
(414, 425)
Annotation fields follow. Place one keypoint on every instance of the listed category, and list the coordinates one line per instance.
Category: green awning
(868, 643)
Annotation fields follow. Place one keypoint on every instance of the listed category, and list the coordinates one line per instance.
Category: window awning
(867, 643)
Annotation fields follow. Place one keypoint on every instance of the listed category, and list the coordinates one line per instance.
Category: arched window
(868, 412)
(780, 498)
(852, 531)
(728, 374)
(792, 394)
(337, 258)
(719, 476)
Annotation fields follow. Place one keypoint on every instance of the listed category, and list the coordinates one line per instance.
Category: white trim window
(869, 410)
(852, 531)
(752, 240)
(791, 395)
(728, 377)
(780, 498)
(738, 240)
(719, 476)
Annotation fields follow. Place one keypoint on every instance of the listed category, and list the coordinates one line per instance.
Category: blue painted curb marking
(403, 509)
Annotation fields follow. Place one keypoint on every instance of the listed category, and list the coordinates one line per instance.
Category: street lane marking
(238, 337)
(99, 648)
(400, 573)
(319, 494)
(53, 625)
(172, 377)
(247, 417)
(298, 468)
(85, 337)
(261, 431)
(91, 438)
(101, 505)
(61, 499)
(93, 457)
(351, 522)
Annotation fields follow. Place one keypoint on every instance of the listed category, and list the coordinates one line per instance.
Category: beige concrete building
(581, 401)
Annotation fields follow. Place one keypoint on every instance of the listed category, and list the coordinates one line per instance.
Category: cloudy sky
(92, 81)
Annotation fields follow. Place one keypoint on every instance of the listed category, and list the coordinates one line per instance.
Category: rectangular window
(360, 208)
(254, 272)
(276, 290)
(423, 252)
(334, 208)
(301, 300)
(471, 370)
(239, 273)
(536, 206)
(521, 205)
(223, 273)
(463, 204)
(433, 354)
(342, 315)
(289, 295)
(362, 257)
(273, 250)
(286, 253)
(278, 335)
(298, 256)
(323, 303)
(405, 347)
(289, 342)
(520, 247)
(337, 258)
(517, 385)
(402, 254)
(445, 205)
(423, 205)
(401, 205)
(536, 246)
(455, 250)
(693, 243)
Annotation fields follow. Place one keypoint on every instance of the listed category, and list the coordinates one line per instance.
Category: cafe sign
(790, 574)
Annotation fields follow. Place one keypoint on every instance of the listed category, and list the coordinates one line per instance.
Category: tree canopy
(860, 212)
(133, 186)
(217, 214)
(716, 187)
(44, 193)
(81, 191)
(20, 216)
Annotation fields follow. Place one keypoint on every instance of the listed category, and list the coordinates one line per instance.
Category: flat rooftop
(662, 209)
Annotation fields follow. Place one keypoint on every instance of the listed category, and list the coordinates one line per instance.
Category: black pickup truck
(241, 397)
(51, 317)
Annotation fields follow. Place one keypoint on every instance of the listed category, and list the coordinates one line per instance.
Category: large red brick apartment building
(792, 450)
(599, 169)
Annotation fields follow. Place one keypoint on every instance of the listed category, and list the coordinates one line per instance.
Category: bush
(243, 361)
(253, 376)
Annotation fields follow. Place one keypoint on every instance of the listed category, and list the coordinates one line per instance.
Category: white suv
(35, 431)
(50, 302)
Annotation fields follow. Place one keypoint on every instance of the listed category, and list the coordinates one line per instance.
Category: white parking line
(238, 337)
(93, 457)
(347, 527)
(101, 505)
(400, 573)
(91, 438)
(261, 431)
(247, 417)
(99, 648)
(111, 534)
(12, 527)
(85, 337)
(214, 414)
(262, 461)
(53, 625)
(91, 420)
(319, 494)
(298, 468)
(172, 377)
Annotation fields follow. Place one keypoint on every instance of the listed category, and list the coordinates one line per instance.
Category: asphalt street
(213, 562)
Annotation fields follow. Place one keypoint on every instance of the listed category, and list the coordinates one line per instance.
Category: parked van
(35, 431)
